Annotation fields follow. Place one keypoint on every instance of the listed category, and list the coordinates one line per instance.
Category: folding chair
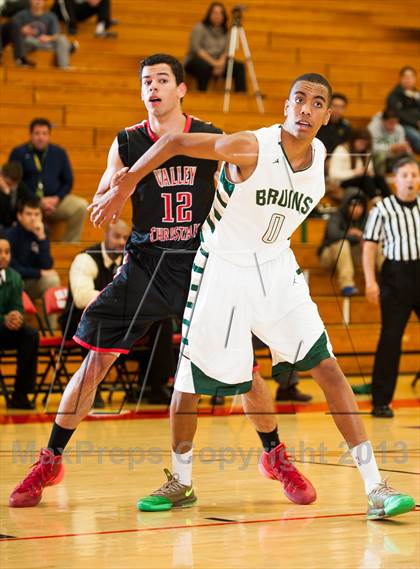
(59, 352)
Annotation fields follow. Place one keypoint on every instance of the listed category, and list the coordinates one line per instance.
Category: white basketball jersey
(254, 220)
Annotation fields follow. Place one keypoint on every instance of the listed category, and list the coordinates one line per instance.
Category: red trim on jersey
(153, 136)
(100, 350)
(188, 123)
(136, 126)
(150, 132)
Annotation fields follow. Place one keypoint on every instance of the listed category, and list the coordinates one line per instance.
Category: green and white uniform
(246, 279)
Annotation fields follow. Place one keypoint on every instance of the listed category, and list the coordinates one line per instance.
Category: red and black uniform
(169, 207)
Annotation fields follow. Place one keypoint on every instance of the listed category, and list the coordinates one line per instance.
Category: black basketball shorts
(149, 286)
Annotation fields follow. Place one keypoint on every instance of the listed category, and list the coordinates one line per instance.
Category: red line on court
(183, 526)
(189, 526)
(290, 409)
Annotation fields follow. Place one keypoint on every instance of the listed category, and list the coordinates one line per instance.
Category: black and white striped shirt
(397, 226)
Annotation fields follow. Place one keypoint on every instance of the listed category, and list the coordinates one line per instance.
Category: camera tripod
(238, 32)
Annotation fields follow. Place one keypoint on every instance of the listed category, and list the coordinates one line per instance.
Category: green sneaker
(365, 389)
(170, 495)
(385, 502)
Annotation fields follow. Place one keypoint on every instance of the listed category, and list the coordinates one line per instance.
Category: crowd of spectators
(375, 169)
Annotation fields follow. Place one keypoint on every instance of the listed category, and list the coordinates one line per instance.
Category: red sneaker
(47, 471)
(277, 466)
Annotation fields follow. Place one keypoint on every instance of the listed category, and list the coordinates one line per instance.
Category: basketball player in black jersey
(169, 206)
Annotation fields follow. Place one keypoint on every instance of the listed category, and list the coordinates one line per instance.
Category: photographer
(208, 50)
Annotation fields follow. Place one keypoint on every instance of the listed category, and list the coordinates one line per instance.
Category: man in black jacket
(340, 248)
(47, 173)
(338, 130)
(30, 246)
(405, 99)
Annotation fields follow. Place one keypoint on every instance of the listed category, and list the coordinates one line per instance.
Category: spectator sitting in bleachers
(340, 249)
(40, 30)
(10, 31)
(14, 334)
(351, 166)
(12, 191)
(73, 11)
(405, 99)
(338, 129)
(47, 173)
(388, 141)
(30, 246)
(208, 50)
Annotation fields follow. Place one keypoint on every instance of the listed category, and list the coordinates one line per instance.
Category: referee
(395, 222)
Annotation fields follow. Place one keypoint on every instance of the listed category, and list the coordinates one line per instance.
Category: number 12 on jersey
(183, 213)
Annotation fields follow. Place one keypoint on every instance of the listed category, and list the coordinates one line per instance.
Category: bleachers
(359, 46)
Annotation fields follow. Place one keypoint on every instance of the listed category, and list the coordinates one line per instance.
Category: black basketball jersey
(172, 202)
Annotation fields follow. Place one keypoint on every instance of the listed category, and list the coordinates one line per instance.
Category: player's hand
(107, 208)
(372, 293)
(118, 176)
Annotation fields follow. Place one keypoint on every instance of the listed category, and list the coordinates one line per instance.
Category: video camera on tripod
(237, 31)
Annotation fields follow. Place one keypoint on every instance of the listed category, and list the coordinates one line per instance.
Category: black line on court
(4, 536)
(221, 520)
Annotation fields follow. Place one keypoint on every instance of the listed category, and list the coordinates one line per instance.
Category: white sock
(364, 459)
(182, 465)
(100, 27)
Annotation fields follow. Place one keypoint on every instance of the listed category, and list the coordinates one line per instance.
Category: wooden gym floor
(241, 519)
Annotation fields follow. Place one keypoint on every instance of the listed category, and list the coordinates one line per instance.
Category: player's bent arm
(114, 164)
(240, 149)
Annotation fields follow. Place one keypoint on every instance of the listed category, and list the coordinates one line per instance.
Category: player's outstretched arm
(240, 149)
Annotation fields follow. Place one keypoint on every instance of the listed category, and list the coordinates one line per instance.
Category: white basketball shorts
(227, 303)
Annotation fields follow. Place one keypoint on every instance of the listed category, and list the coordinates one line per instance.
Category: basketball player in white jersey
(245, 279)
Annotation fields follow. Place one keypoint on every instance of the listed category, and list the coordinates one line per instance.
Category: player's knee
(327, 371)
(183, 401)
(95, 366)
